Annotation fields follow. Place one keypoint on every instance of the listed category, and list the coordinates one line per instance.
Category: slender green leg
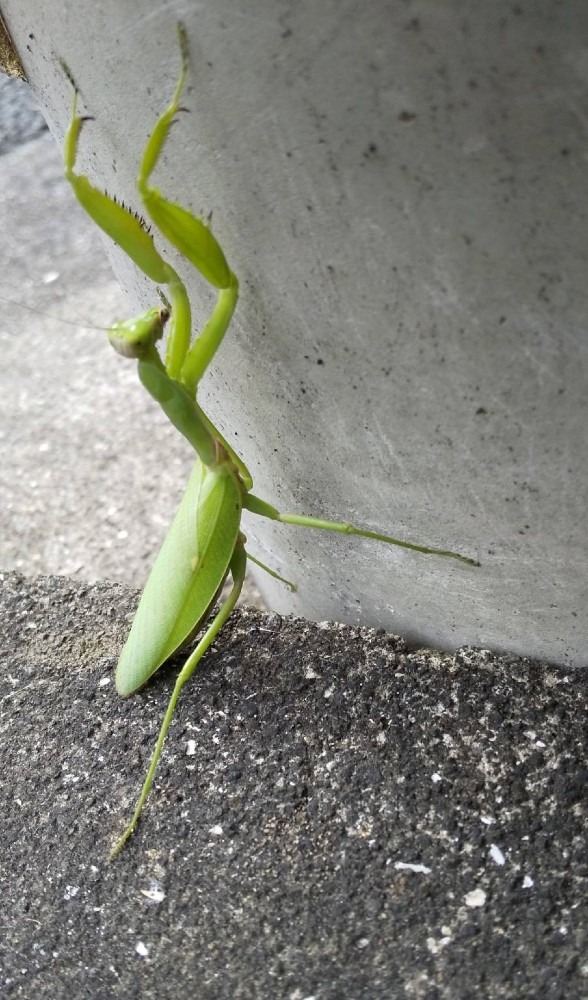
(257, 506)
(291, 586)
(237, 567)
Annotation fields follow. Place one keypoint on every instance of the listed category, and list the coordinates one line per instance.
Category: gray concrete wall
(402, 192)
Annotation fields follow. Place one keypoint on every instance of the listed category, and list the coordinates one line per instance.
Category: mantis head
(137, 336)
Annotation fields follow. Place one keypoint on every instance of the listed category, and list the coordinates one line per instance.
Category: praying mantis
(205, 543)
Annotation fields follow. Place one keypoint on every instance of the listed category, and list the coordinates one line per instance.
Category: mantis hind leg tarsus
(237, 568)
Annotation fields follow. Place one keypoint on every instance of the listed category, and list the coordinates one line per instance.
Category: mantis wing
(190, 568)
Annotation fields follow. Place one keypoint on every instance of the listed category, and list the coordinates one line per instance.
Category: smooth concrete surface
(333, 816)
(401, 189)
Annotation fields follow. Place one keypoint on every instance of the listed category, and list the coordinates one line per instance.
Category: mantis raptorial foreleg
(204, 543)
(193, 238)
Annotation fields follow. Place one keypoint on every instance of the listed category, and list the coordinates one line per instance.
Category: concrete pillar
(401, 190)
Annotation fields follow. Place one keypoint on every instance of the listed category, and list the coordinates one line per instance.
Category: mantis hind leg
(257, 506)
(237, 568)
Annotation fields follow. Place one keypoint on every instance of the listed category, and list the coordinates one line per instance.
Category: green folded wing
(191, 567)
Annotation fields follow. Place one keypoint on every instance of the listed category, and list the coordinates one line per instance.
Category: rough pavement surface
(333, 817)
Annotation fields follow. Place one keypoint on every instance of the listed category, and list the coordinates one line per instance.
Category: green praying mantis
(205, 542)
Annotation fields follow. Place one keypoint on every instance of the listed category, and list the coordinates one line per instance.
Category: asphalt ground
(333, 817)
